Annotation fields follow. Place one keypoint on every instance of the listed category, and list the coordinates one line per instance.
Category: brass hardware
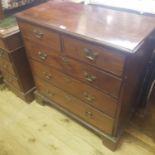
(89, 114)
(50, 94)
(47, 76)
(65, 60)
(38, 34)
(88, 97)
(67, 79)
(89, 77)
(68, 97)
(90, 54)
(42, 55)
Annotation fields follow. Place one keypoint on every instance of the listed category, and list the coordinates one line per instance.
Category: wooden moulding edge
(109, 141)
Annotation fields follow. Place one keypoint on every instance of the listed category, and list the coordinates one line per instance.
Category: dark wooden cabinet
(1, 77)
(87, 63)
(14, 65)
(13, 60)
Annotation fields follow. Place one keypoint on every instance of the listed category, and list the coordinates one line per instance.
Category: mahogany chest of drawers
(14, 65)
(87, 63)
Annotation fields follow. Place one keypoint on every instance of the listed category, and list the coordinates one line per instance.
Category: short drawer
(103, 58)
(43, 54)
(6, 66)
(4, 55)
(95, 77)
(10, 39)
(82, 91)
(9, 79)
(79, 108)
(40, 35)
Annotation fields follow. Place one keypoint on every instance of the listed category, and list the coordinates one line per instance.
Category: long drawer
(97, 78)
(84, 92)
(79, 108)
(95, 55)
(40, 35)
(43, 54)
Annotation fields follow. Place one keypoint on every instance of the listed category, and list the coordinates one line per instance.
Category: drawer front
(76, 88)
(4, 55)
(13, 41)
(43, 54)
(7, 67)
(79, 108)
(95, 55)
(40, 35)
(9, 79)
(99, 79)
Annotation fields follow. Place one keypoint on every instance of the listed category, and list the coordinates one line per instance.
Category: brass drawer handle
(65, 60)
(68, 97)
(67, 79)
(47, 76)
(89, 77)
(50, 94)
(88, 97)
(89, 54)
(38, 34)
(42, 55)
(89, 114)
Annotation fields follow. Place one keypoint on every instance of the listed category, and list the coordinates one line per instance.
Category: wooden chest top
(121, 30)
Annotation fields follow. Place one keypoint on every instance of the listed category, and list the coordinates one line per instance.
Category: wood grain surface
(36, 130)
(117, 29)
